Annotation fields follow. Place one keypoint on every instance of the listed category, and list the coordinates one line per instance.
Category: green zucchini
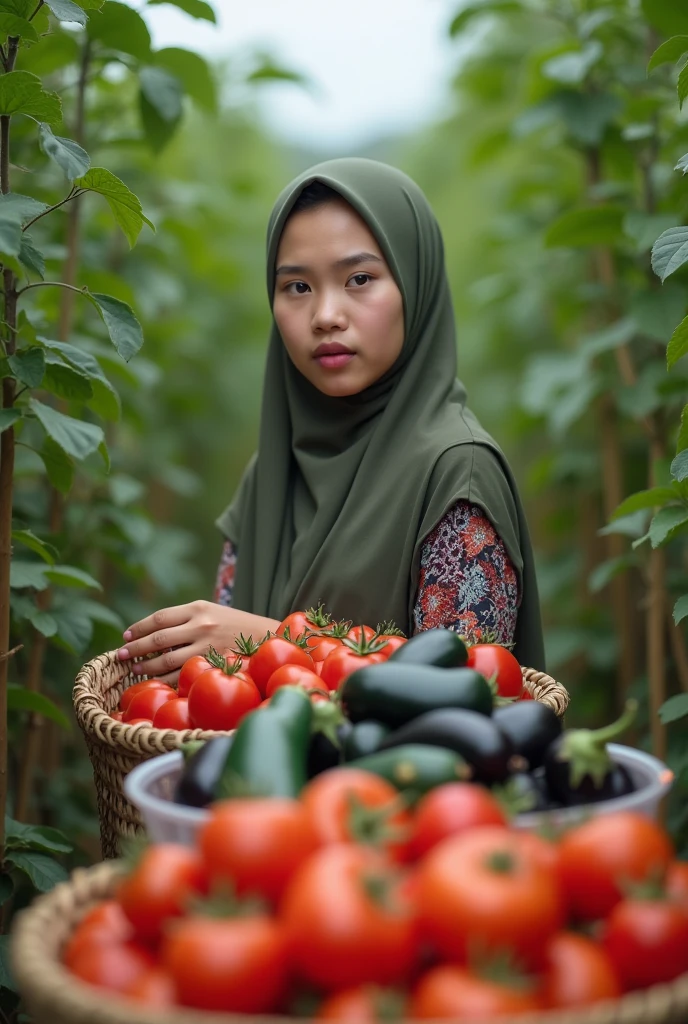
(416, 768)
(364, 738)
(440, 647)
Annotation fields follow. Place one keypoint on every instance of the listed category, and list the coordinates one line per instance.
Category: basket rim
(40, 974)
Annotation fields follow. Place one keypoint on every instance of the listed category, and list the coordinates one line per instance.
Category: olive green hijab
(337, 502)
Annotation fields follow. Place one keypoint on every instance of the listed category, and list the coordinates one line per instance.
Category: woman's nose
(329, 313)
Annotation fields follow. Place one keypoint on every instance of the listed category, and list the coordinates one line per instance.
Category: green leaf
(76, 438)
(632, 525)
(58, 466)
(8, 417)
(596, 225)
(656, 311)
(28, 365)
(43, 872)
(682, 165)
(27, 574)
(679, 466)
(478, 9)
(605, 572)
(669, 52)
(682, 86)
(11, 25)
(42, 622)
(271, 72)
(71, 576)
(10, 233)
(23, 93)
(674, 708)
(37, 837)
(163, 91)
(69, 155)
(573, 67)
(667, 523)
(20, 208)
(65, 10)
(156, 129)
(29, 539)
(644, 499)
(118, 27)
(670, 17)
(125, 206)
(21, 699)
(681, 609)
(105, 400)
(6, 976)
(193, 72)
(195, 8)
(66, 382)
(123, 327)
(670, 251)
(74, 627)
(682, 440)
(644, 228)
(31, 257)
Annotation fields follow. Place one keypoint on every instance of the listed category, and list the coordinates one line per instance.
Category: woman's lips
(334, 360)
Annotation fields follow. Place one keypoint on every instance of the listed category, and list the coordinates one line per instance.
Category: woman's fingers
(164, 618)
(165, 665)
(157, 632)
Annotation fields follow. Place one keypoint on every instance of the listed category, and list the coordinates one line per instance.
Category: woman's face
(336, 304)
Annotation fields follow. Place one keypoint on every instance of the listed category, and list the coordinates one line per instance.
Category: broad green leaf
(670, 17)
(10, 233)
(58, 466)
(118, 27)
(644, 228)
(619, 333)
(31, 257)
(681, 609)
(667, 523)
(682, 165)
(586, 117)
(477, 9)
(11, 25)
(20, 208)
(670, 252)
(270, 72)
(65, 10)
(71, 576)
(76, 438)
(66, 382)
(90, 5)
(125, 206)
(679, 466)
(156, 130)
(43, 872)
(193, 72)
(69, 155)
(27, 574)
(607, 571)
(6, 975)
(28, 365)
(123, 327)
(8, 417)
(194, 8)
(644, 499)
(104, 400)
(656, 311)
(74, 627)
(669, 52)
(23, 93)
(37, 837)
(596, 225)
(163, 91)
(21, 699)
(632, 525)
(41, 547)
(42, 622)
(98, 612)
(682, 440)
(682, 86)
(573, 67)
(674, 708)
(104, 453)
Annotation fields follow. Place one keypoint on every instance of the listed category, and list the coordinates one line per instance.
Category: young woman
(374, 489)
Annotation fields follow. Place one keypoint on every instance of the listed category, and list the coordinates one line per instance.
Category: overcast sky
(377, 66)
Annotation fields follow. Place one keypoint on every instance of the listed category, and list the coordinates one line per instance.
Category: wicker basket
(115, 747)
(53, 996)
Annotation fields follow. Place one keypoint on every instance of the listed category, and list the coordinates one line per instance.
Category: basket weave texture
(53, 996)
(115, 747)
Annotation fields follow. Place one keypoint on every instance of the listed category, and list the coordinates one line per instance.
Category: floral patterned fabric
(467, 581)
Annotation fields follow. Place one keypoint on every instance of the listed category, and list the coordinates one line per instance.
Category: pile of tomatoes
(345, 904)
(215, 691)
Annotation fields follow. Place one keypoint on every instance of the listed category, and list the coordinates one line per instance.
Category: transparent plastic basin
(150, 787)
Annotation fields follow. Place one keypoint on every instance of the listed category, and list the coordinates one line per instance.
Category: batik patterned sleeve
(467, 580)
(224, 583)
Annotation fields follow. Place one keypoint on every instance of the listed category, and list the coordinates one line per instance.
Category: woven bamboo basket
(53, 996)
(115, 747)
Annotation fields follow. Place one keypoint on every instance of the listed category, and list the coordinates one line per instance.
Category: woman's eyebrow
(347, 261)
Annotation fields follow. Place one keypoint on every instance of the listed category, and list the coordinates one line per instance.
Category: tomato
(342, 662)
(392, 643)
(271, 655)
(117, 715)
(540, 849)
(232, 964)
(294, 675)
(191, 670)
(140, 721)
(347, 803)
(451, 809)
(578, 972)
(342, 928)
(136, 688)
(677, 882)
(357, 632)
(165, 879)
(147, 702)
(600, 857)
(114, 965)
(484, 890)
(312, 621)
(153, 988)
(365, 1004)
(456, 992)
(647, 941)
(256, 845)
(106, 924)
(324, 646)
(173, 715)
(493, 660)
(218, 700)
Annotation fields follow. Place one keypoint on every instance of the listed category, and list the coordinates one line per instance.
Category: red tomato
(255, 846)
(365, 1004)
(578, 972)
(493, 660)
(154, 988)
(191, 670)
(526, 694)
(451, 809)
(106, 924)
(392, 643)
(677, 882)
(147, 702)
(271, 655)
(173, 715)
(115, 966)
(358, 632)
(136, 688)
(294, 675)
(484, 889)
(140, 721)
(233, 964)
(600, 857)
(341, 663)
(340, 930)
(218, 700)
(324, 646)
(160, 886)
(457, 993)
(647, 941)
(312, 621)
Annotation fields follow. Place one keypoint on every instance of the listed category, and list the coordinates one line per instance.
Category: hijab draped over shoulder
(337, 502)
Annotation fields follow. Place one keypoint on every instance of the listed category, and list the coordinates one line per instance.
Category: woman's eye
(297, 287)
(360, 279)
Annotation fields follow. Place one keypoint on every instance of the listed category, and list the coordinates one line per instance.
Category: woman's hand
(187, 629)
